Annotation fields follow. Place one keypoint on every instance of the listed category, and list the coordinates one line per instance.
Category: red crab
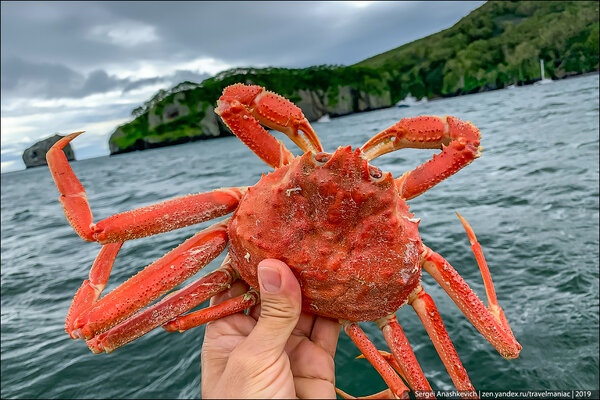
(342, 225)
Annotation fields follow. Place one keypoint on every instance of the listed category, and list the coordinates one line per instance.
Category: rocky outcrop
(167, 125)
(339, 101)
(177, 119)
(35, 155)
(169, 112)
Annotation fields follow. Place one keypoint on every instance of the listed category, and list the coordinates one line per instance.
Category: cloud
(98, 82)
(37, 79)
(23, 79)
(124, 33)
(7, 164)
(186, 75)
(294, 34)
(142, 82)
(73, 64)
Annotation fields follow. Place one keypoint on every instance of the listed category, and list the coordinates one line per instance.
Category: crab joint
(375, 172)
(322, 157)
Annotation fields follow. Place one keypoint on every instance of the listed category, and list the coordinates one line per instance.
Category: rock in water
(35, 155)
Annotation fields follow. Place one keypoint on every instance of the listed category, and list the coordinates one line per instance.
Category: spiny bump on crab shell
(276, 109)
(240, 92)
(350, 240)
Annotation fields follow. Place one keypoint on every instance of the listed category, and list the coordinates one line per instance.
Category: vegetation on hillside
(497, 45)
(285, 81)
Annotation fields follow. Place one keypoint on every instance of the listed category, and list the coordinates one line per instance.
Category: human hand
(276, 351)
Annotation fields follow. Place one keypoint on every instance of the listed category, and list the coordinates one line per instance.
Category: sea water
(532, 199)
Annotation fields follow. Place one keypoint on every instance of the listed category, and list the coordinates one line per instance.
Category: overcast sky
(69, 66)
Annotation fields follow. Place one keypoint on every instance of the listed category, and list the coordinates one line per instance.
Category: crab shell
(349, 238)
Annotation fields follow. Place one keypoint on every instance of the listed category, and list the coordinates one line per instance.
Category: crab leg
(430, 317)
(403, 353)
(169, 307)
(389, 357)
(145, 221)
(90, 290)
(492, 323)
(153, 281)
(367, 348)
(228, 307)
(493, 305)
(386, 393)
(458, 140)
(243, 108)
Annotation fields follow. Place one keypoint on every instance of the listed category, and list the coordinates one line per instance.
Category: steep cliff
(340, 100)
(35, 155)
(186, 113)
(167, 124)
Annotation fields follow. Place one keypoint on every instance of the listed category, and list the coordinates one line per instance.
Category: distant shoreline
(575, 75)
(189, 139)
(518, 84)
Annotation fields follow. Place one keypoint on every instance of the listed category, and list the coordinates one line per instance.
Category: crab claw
(277, 112)
(243, 107)
(72, 194)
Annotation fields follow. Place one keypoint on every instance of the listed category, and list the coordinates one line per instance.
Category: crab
(341, 224)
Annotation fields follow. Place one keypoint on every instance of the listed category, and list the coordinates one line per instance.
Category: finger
(216, 346)
(281, 302)
(254, 312)
(325, 333)
(305, 324)
(236, 289)
(311, 388)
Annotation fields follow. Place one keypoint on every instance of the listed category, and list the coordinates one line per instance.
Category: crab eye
(375, 172)
(322, 157)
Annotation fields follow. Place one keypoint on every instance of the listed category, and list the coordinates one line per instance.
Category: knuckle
(279, 309)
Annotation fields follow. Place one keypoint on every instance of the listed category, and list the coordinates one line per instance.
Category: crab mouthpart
(351, 163)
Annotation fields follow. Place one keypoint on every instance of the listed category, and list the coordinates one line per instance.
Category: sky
(71, 66)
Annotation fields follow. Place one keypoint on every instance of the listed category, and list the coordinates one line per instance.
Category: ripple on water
(532, 199)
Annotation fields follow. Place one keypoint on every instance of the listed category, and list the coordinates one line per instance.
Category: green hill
(497, 45)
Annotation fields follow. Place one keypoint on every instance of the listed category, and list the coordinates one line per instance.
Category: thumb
(280, 302)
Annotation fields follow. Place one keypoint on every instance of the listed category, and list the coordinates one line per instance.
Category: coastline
(141, 145)
(201, 138)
